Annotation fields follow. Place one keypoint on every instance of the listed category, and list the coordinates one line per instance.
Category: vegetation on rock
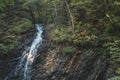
(13, 28)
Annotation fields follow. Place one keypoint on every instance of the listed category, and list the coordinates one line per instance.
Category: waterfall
(23, 68)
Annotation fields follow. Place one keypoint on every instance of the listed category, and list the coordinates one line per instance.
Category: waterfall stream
(23, 68)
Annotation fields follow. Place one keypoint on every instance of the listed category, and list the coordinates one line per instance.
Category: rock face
(55, 66)
(84, 64)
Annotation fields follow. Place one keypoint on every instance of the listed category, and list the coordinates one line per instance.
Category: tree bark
(71, 16)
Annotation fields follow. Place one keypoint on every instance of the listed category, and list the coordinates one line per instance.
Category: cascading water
(23, 68)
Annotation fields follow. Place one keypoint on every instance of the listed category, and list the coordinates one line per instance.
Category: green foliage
(2, 22)
(65, 33)
(32, 4)
(20, 26)
(113, 48)
(12, 35)
(61, 34)
(42, 10)
(2, 5)
(117, 71)
(69, 49)
(4, 2)
(115, 78)
(113, 27)
(7, 44)
(117, 3)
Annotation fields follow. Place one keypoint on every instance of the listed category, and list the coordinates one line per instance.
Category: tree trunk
(71, 16)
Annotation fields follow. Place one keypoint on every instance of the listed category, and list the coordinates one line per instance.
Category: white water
(23, 69)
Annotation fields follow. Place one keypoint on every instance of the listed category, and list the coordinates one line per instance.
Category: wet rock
(71, 67)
